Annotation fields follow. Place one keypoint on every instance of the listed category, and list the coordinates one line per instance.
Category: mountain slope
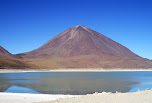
(83, 47)
(7, 60)
(4, 53)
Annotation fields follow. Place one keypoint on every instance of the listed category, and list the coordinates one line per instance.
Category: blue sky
(28, 24)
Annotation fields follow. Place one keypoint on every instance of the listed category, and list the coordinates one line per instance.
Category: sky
(26, 25)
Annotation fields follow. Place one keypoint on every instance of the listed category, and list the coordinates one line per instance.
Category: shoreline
(108, 97)
(75, 70)
(104, 97)
(29, 98)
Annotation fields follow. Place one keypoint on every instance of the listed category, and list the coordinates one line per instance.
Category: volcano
(81, 47)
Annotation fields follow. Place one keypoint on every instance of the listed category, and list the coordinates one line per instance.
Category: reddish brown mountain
(4, 53)
(83, 47)
(7, 60)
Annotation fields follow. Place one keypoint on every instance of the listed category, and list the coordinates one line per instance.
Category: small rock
(104, 92)
(96, 93)
(117, 92)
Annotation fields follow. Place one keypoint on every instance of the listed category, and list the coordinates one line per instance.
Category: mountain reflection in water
(75, 83)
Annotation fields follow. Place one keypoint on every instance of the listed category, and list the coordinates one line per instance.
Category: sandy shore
(74, 70)
(28, 98)
(136, 97)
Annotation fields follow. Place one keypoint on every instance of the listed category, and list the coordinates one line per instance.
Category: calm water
(75, 83)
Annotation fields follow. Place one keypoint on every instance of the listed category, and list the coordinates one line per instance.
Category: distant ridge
(81, 47)
(9, 61)
(5, 53)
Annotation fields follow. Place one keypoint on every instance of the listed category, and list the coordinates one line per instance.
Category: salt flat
(28, 98)
(76, 70)
(136, 97)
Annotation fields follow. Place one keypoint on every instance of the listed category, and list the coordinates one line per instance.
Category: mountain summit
(82, 47)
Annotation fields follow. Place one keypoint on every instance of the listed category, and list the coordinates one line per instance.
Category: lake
(74, 83)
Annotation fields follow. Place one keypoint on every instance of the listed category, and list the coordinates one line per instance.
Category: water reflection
(78, 83)
(17, 89)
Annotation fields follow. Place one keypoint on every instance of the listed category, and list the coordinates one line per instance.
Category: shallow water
(75, 83)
